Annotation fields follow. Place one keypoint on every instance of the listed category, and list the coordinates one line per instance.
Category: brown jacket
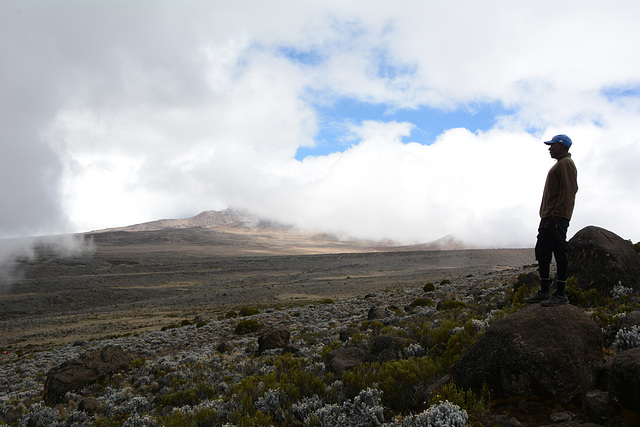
(560, 189)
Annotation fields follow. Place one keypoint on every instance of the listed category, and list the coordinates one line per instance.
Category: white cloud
(119, 112)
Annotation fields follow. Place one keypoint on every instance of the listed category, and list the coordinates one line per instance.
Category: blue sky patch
(301, 56)
(334, 135)
(625, 91)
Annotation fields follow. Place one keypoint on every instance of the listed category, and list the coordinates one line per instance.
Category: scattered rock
(624, 379)
(377, 313)
(600, 259)
(557, 417)
(386, 348)
(529, 281)
(437, 384)
(224, 347)
(292, 349)
(598, 405)
(630, 320)
(275, 339)
(348, 333)
(537, 351)
(89, 404)
(10, 415)
(87, 369)
(344, 359)
(500, 420)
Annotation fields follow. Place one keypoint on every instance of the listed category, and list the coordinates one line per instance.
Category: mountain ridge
(243, 223)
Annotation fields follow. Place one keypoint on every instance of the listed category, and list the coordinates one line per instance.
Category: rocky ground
(175, 308)
(132, 282)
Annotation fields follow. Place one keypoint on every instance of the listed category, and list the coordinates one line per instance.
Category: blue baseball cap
(562, 139)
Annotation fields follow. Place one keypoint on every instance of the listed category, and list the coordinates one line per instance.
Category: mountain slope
(240, 232)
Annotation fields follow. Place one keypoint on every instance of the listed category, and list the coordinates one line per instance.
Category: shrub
(247, 326)
(403, 382)
(456, 344)
(626, 339)
(619, 291)
(445, 282)
(365, 410)
(519, 295)
(371, 324)
(248, 311)
(288, 382)
(421, 302)
(190, 396)
(466, 399)
(452, 304)
(329, 348)
(429, 287)
(580, 298)
(443, 414)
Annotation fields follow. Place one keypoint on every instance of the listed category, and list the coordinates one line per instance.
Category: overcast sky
(405, 120)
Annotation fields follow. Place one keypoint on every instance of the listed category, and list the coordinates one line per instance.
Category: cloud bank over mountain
(115, 113)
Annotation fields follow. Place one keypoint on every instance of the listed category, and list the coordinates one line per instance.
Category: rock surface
(386, 348)
(624, 379)
(546, 352)
(630, 320)
(601, 259)
(343, 359)
(275, 339)
(75, 374)
(376, 313)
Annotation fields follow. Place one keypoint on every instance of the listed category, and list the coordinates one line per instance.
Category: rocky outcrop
(624, 379)
(348, 333)
(85, 370)
(275, 339)
(600, 259)
(377, 313)
(386, 348)
(343, 359)
(547, 352)
(528, 283)
(630, 320)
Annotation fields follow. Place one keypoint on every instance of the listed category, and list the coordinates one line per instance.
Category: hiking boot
(556, 299)
(539, 297)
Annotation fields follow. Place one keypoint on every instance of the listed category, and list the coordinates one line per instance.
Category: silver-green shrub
(445, 414)
(626, 339)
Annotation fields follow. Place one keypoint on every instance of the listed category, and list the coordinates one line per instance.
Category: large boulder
(624, 379)
(74, 375)
(385, 348)
(630, 320)
(377, 313)
(343, 359)
(601, 259)
(545, 352)
(274, 339)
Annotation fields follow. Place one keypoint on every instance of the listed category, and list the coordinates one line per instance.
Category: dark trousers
(552, 240)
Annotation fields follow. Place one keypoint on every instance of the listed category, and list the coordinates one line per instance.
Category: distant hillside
(240, 229)
(227, 218)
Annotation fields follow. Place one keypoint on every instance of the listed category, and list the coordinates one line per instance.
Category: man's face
(556, 149)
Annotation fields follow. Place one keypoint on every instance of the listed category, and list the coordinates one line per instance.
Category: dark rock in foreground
(275, 339)
(624, 379)
(547, 352)
(386, 348)
(76, 374)
(343, 359)
(601, 259)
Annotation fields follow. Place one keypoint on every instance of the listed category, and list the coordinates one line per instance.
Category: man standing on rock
(556, 209)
